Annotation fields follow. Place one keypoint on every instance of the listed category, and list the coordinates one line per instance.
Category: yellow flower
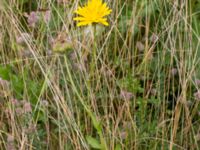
(93, 12)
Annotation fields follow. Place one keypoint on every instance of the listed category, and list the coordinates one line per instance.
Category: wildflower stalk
(91, 85)
(94, 52)
(95, 11)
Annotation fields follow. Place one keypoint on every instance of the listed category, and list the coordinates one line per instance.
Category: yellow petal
(94, 11)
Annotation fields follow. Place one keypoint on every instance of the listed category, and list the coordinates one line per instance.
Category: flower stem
(93, 74)
(93, 57)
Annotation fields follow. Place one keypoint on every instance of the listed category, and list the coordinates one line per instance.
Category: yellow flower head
(93, 12)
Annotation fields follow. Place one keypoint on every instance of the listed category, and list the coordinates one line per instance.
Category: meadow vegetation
(132, 85)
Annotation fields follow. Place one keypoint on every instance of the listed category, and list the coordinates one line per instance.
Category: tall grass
(139, 90)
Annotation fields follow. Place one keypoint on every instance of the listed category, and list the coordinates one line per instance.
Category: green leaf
(93, 142)
(118, 147)
(131, 84)
(17, 85)
(96, 123)
(5, 72)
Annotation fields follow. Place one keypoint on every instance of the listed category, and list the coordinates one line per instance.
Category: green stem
(91, 85)
(93, 59)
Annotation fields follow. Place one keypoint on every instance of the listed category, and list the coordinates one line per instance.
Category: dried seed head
(174, 71)
(127, 125)
(107, 71)
(31, 129)
(45, 103)
(79, 67)
(15, 102)
(19, 111)
(7, 111)
(26, 53)
(10, 143)
(4, 83)
(197, 82)
(10, 147)
(140, 46)
(10, 138)
(145, 39)
(27, 107)
(197, 95)
(23, 37)
(73, 56)
(49, 52)
(33, 19)
(153, 92)
(4, 88)
(153, 38)
(123, 135)
(47, 16)
(126, 95)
